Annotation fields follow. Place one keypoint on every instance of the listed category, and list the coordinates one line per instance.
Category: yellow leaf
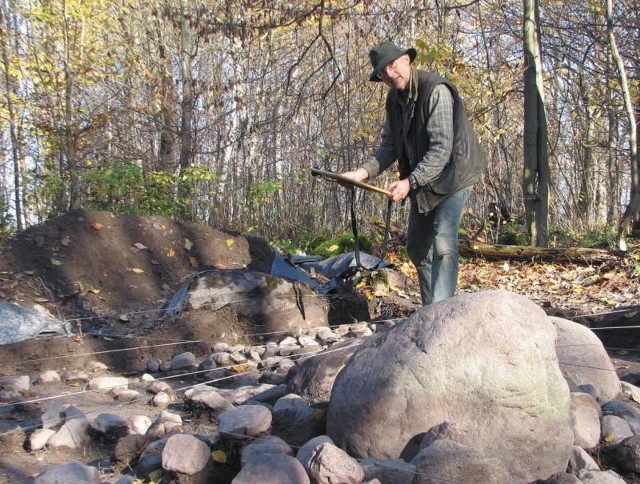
(194, 261)
(137, 270)
(230, 243)
(332, 248)
(609, 437)
(219, 456)
(318, 414)
(56, 262)
(171, 252)
(97, 226)
(95, 290)
(241, 368)
(155, 476)
(188, 244)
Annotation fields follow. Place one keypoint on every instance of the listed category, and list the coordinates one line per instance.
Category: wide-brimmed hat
(385, 53)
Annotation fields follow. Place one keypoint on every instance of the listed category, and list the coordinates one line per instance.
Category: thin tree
(631, 212)
(536, 176)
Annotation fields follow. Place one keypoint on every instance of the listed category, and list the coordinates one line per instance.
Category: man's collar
(411, 91)
(413, 84)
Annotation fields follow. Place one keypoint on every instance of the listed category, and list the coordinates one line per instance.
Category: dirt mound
(112, 274)
(105, 262)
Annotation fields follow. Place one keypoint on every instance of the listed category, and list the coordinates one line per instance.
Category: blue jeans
(432, 244)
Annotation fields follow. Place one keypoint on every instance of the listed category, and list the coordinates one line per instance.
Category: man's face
(397, 73)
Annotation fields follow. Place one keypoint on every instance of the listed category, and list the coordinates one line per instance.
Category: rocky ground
(110, 277)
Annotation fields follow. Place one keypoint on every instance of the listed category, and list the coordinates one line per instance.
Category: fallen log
(576, 255)
(473, 248)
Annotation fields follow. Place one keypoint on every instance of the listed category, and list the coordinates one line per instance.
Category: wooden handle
(349, 181)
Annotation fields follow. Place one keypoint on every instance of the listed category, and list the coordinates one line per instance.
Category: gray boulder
(448, 461)
(313, 378)
(584, 361)
(626, 454)
(329, 465)
(389, 471)
(295, 421)
(270, 444)
(272, 469)
(484, 361)
(614, 429)
(626, 411)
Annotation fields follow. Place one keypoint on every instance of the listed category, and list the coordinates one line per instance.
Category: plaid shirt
(439, 130)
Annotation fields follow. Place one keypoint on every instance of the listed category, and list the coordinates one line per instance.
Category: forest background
(215, 111)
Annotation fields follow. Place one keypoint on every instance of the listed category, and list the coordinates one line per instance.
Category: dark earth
(112, 275)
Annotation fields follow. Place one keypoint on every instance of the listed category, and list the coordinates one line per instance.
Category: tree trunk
(187, 105)
(576, 255)
(536, 177)
(631, 212)
(14, 129)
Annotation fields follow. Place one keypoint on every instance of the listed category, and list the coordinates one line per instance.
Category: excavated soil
(110, 277)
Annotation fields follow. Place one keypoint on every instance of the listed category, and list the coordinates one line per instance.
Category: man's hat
(385, 53)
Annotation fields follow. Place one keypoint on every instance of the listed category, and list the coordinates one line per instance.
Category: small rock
(614, 429)
(627, 454)
(20, 383)
(331, 464)
(585, 423)
(49, 376)
(211, 399)
(74, 434)
(153, 365)
(222, 358)
(39, 438)
(108, 423)
(159, 386)
(126, 395)
(599, 477)
(270, 444)
(185, 454)
(75, 375)
(237, 358)
(273, 469)
(248, 420)
(139, 424)
(73, 472)
(307, 341)
(580, 460)
(184, 360)
(96, 366)
(108, 382)
(161, 399)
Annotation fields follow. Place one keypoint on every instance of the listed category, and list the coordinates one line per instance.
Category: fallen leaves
(591, 287)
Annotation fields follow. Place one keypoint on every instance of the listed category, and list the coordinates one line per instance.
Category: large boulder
(313, 378)
(584, 361)
(485, 362)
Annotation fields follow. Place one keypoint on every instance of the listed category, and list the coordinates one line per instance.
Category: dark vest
(467, 161)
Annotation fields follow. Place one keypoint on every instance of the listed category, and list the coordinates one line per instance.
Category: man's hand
(360, 174)
(399, 190)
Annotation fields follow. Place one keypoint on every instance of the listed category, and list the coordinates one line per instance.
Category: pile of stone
(479, 388)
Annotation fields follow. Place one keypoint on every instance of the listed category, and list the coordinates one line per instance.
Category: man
(439, 158)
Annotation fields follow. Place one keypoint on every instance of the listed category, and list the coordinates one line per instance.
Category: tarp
(340, 264)
(18, 323)
(296, 268)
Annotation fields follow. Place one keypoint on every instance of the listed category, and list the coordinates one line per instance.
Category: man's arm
(440, 131)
